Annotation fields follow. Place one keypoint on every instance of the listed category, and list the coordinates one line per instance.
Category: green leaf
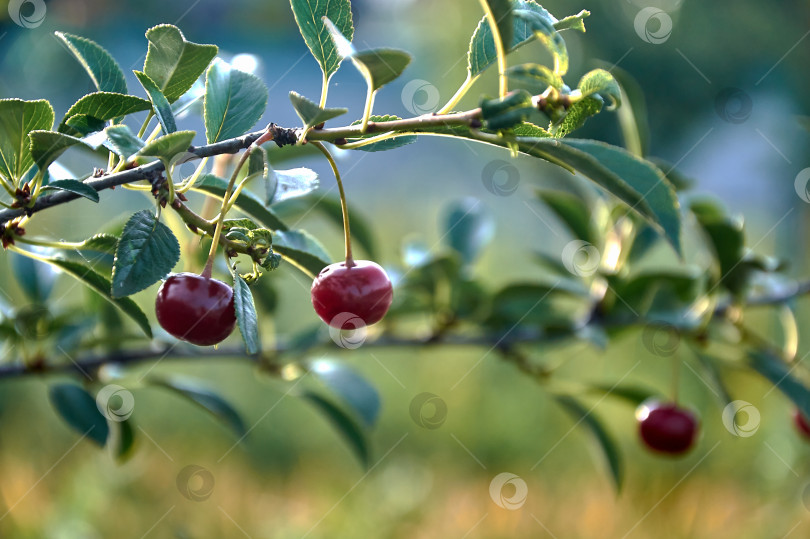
(555, 306)
(47, 146)
(573, 22)
(309, 16)
(388, 144)
(173, 63)
(310, 113)
(99, 64)
(506, 112)
(246, 314)
(527, 129)
(727, 239)
(536, 77)
(234, 101)
(546, 34)
(481, 53)
(577, 115)
(605, 442)
(246, 201)
(502, 12)
(123, 141)
(634, 181)
(380, 66)
(161, 106)
(17, 119)
(354, 390)
(468, 228)
(103, 106)
(102, 286)
(36, 279)
(573, 212)
(78, 408)
(345, 425)
(84, 125)
(123, 439)
(780, 374)
(205, 398)
(302, 250)
(169, 146)
(601, 82)
(146, 252)
(103, 243)
(73, 186)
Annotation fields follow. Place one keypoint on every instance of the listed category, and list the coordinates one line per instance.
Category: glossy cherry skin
(666, 428)
(363, 290)
(196, 309)
(801, 424)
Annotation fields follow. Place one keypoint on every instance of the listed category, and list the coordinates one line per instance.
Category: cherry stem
(343, 207)
(676, 375)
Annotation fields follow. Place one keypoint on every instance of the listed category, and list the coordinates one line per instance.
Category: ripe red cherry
(801, 423)
(196, 309)
(362, 290)
(666, 428)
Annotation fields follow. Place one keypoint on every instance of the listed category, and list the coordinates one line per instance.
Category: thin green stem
(460, 93)
(344, 208)
(499, 50)
(145, 124)
(324, 90)
(189, 183)
(49, 243)
(154, 134)
(369, 105)
(676, 377)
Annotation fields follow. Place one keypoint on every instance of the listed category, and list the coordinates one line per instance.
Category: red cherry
(667, 428)
(361, 291)
(801, 423)
(196, 309)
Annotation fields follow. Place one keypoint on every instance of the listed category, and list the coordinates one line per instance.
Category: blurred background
(724, 89)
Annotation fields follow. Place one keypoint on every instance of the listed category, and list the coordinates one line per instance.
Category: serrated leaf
(205, 398)
(502, 12)
(234, 101)
(481, 53)
(160, 105)
(468, 228)
(310, 113)
(601, 82)
(380, 66)
(103, 243)
(78, 408)
(246, 201)
(546, 34)
(577, 115)
(173, 63)
(47, 146)
(302, 250)
(345, 425)
(99, 64)
(73, 186)
(527, 129)
(84, 125)
(103, 106)
(572, 211)
(123, 141)
(309, 16)
(605, 442)
(169, 146)
(246, 314)
(535, 76)
(146, 252)
(634, 181)
(354, 390)
(780, 374)
(18, 118)
(388, 144)
(573, 22)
